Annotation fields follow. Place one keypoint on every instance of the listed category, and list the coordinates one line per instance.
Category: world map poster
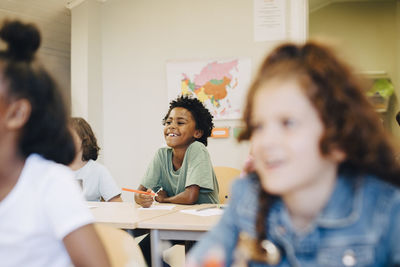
(221, 85)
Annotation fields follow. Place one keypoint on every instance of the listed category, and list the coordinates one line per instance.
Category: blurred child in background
(325, 187)
(97, 182)
(43, 218)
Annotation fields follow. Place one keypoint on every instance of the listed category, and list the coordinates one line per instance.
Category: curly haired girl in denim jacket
(325, 190)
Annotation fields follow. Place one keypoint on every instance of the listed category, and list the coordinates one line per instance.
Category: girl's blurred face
(285, 139)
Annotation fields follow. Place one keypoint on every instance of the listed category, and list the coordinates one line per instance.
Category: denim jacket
(359, 226)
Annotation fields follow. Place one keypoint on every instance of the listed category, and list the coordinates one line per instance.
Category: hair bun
(23, 39)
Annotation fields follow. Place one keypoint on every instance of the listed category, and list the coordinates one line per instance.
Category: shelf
(382, 89)
(374, 74)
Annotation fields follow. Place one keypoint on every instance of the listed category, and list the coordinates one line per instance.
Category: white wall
(79, 64)
(367, 34)
(86, 68)
(54, 23)
(396, 129)
(137, 38)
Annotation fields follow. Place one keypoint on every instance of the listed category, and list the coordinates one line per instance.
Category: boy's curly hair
(201, 115)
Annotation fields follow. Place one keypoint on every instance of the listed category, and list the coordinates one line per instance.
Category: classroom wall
(395, 128)
(137, 39)
(79, 64)
(55, 27)
(367, 34)
(86, 66)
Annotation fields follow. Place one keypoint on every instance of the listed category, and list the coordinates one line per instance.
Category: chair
(225, 177)
(122, 249)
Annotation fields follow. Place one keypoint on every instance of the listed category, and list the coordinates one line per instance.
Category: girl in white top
(97, 182)
(44, 221)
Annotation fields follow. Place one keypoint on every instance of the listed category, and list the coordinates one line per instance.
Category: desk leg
(156, 253)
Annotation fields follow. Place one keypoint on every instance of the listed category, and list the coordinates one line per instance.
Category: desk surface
(126, 215)
(181, 221)
(163, 224)
(177, 226)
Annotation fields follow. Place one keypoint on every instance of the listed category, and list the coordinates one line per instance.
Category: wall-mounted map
(220, 84)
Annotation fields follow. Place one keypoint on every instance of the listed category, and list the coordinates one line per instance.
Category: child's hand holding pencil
(161, 195)
(151, 193)
(143, 198)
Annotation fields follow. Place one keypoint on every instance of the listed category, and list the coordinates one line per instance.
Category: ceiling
(43, 7)
(60, 6)
(54, 18)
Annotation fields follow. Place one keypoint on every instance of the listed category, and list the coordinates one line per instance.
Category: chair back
(225, 177)
(121, 247)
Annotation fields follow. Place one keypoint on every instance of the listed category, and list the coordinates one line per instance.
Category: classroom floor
(174, 256)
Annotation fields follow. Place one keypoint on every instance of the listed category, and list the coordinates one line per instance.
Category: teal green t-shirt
(196, 169)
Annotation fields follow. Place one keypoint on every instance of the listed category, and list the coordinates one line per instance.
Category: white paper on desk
(205, 212)
(92, 207)
(159, 207)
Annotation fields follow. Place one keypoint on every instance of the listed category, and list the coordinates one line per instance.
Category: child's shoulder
(380, 194)
(162, 154)
(383, 198)
(36, 163)
(197, 148)
(378, 187)
(163, 150)
(94, 164)
(249, 184)
(42, 174)
(197, 145)
(93, 167)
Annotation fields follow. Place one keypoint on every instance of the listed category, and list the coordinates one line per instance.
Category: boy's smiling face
(180, 128)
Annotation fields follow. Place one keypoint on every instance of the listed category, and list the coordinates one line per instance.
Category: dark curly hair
(201, 115)
(46, 130)
(351, 124)
(90, 149)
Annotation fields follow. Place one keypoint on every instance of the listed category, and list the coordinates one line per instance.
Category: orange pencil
(139, 192)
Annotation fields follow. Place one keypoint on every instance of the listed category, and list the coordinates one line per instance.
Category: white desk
(163, 224)
(124, 215)
(176, 226)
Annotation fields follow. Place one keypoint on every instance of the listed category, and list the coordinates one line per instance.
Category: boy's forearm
(178, 199)
(187, 197)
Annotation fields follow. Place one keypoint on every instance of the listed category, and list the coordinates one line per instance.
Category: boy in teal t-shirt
(183, 169)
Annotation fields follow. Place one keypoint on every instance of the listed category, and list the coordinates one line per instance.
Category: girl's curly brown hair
(351, 124)
(90, 149)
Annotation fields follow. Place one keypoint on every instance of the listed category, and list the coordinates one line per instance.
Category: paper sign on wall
(222, 132)
(269, 20)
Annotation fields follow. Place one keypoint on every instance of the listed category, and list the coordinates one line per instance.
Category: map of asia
(220, 84)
